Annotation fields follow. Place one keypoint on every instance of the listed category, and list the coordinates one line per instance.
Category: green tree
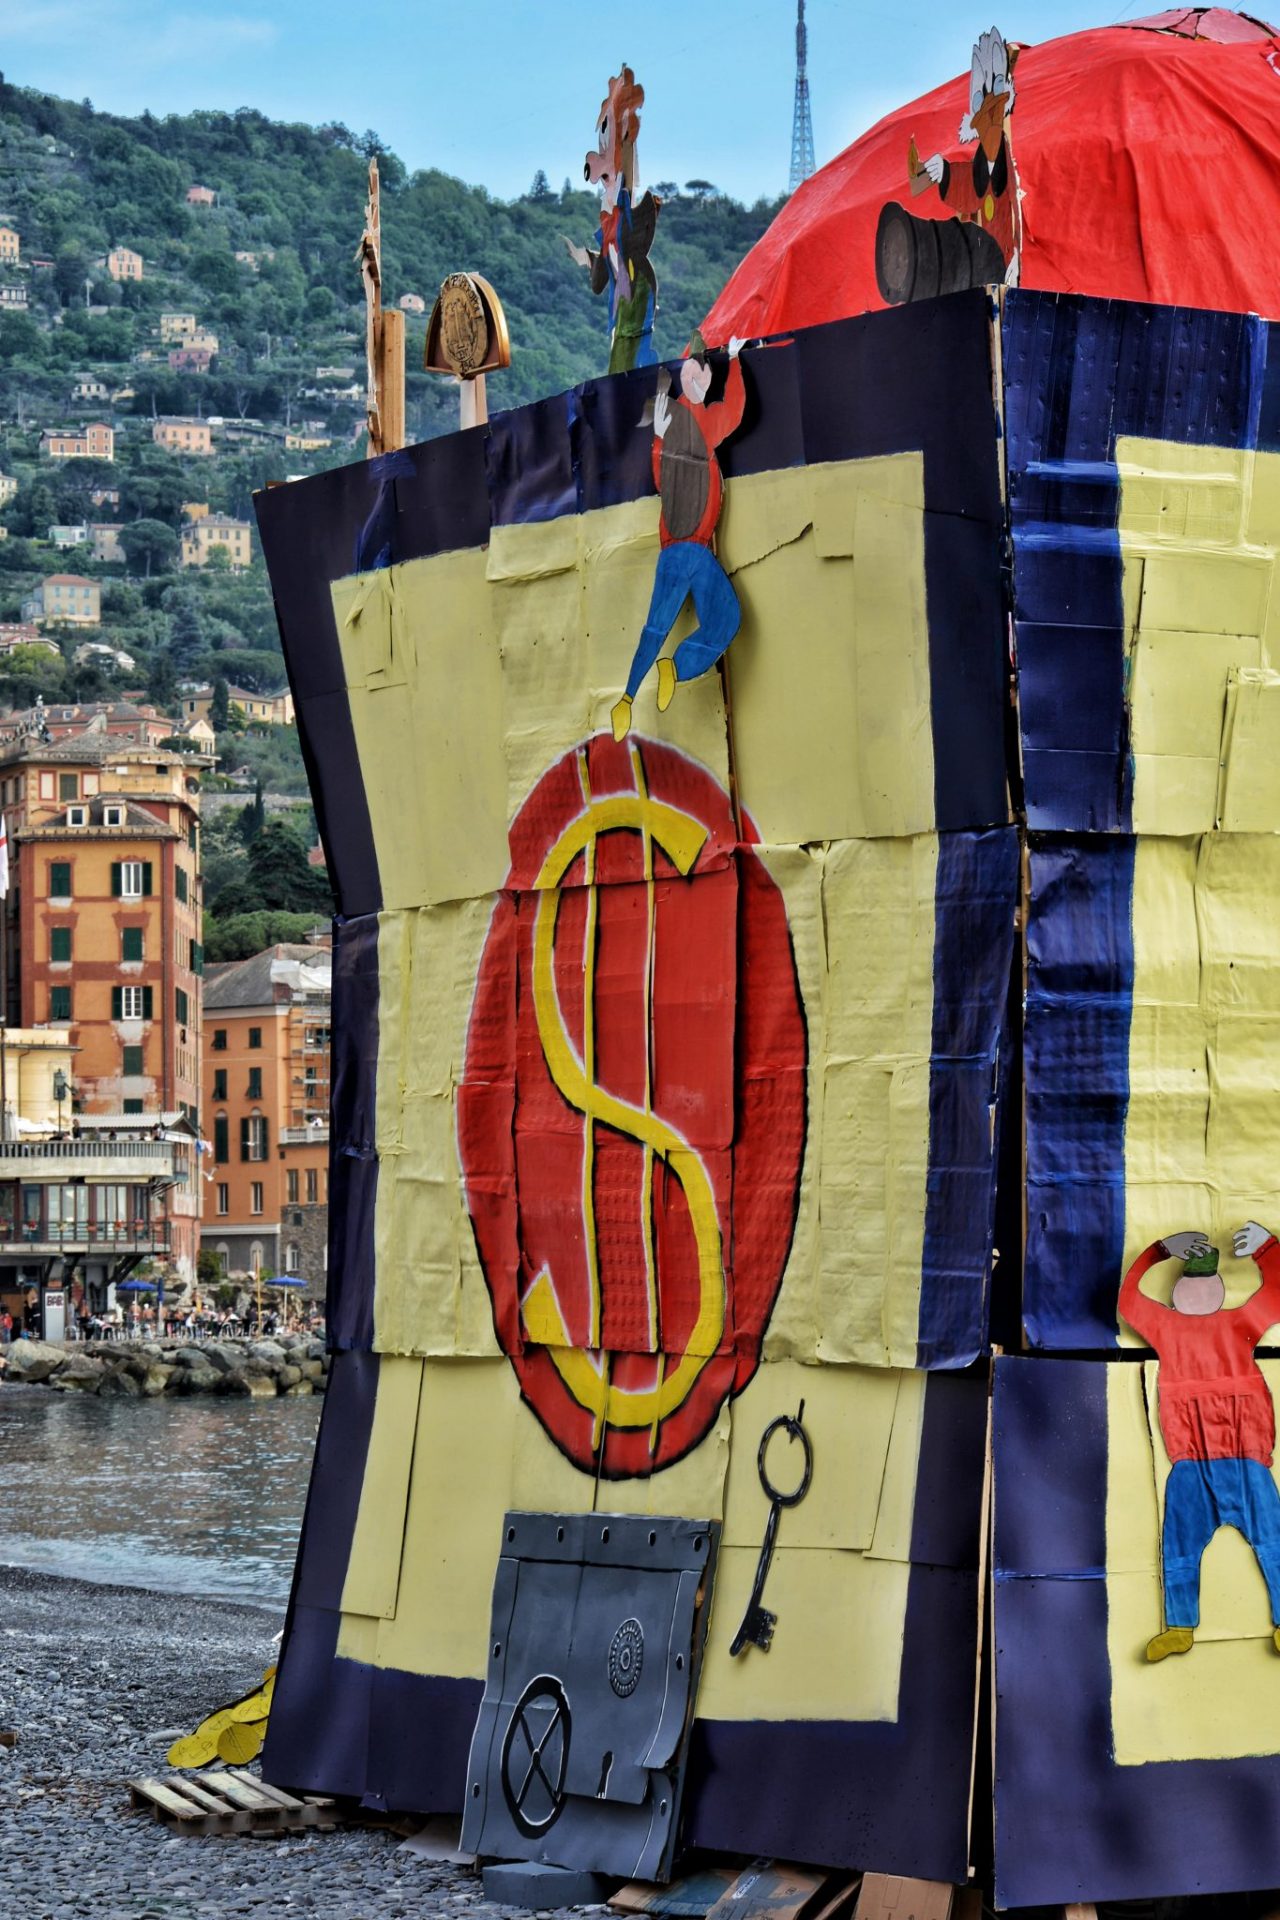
(148, 545)
(219, 706)
(279, 876)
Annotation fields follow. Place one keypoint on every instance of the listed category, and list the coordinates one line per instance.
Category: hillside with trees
(262, 263)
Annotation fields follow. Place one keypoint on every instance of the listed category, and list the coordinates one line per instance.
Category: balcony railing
(94, 1158)
(95, 1149)
(132, 1235)
(304, 1136)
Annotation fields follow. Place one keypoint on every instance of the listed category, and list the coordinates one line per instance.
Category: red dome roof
(1148, 156)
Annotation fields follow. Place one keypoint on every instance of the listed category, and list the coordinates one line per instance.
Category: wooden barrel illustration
(917, 259)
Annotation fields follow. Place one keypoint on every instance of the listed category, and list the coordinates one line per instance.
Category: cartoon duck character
(986, 190)
(619, 262)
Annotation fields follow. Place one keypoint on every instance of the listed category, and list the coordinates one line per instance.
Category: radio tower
(802, 160)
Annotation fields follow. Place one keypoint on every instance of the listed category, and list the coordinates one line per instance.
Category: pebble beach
(97, 1681)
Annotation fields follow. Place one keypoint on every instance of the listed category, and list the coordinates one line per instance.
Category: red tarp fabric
(1149, 160)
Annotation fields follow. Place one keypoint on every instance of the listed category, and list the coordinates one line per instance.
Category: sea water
(191, 1496)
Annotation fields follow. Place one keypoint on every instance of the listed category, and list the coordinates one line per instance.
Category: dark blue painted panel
(1079, 1005)
(975, 900)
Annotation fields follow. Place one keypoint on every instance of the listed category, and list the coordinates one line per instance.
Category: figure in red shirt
(687, 476)
(1216, 1415)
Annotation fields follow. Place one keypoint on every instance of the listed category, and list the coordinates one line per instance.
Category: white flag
(4, 857)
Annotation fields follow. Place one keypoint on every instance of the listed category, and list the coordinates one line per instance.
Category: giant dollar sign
(681, 839)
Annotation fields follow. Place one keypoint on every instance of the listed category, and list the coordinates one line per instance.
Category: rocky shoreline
(289, 1364)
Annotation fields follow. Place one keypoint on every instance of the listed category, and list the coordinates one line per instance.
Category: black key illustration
(757, 1622)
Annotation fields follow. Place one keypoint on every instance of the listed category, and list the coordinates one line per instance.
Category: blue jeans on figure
(1200, 1497)
(687, 567)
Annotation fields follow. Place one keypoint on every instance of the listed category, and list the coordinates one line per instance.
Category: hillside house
(8, 488)
(124, 264)
(199, 539)
(67, 599)
(65, 537)
(198, 196)
(183, 436)
(94, 442)
(190, 359)
(89, 387)
(100, 654)
(275, 709)
(105, 496)
(25, 633)
(306, 442)
(176, 327)
(10, 246)
(412, 303)
(195, 509)
(13, 296)
(106, 542)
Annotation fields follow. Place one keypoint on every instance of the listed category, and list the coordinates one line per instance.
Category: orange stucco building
(266, 1111)
(104, 926)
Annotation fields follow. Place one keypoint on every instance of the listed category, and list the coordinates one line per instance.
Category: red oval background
(727, 1048)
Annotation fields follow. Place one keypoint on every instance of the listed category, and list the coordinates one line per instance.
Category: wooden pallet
(227, 1802)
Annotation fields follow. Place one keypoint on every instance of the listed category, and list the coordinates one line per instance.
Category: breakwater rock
(294, 1364)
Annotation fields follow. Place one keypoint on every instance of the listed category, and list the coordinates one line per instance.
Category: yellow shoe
(621, 717)
(666, 683)
(1276, 1637)
(1172, 1640)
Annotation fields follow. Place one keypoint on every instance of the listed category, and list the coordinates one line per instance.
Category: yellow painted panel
(1249, 790)
(859, 760)
(838, 1651)
(373, 1570)
(1178, 689)
(1222, 1700)
(426, 685)
(1194, 592)
(879, 918)
(849, 1415)
(1199, 533)
(849, 1671)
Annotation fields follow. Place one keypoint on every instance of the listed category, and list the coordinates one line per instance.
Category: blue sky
(492, 90)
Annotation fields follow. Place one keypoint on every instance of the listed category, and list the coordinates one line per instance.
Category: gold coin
(193, 1750)
(238, 1744)
(213, 1723)
(254, 1706)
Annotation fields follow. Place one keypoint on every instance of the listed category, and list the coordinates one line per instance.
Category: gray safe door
(579, 1749)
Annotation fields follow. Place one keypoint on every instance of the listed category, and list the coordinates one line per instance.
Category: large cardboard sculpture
(724, 1057)
(667, 1073)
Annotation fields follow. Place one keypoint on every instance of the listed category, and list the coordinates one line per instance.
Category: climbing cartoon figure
(686, 433)
(981, 243)
(619, 261)
(1216, 1415)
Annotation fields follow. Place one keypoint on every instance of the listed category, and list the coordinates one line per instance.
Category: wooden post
(473, 402)
(369, 257)
(391, 380)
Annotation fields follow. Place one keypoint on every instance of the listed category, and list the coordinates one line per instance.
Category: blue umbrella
(286, 1280)
(135, 1286)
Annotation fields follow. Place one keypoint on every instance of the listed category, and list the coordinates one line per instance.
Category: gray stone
(157, 1379)
(34, 1360)
(311, 1369)
(299, 1390)
(190, 1380)
(288, 1376)
(527, 1883)
(226, 1359)
(269, 1350)
(81, 1372)
(117, 1380)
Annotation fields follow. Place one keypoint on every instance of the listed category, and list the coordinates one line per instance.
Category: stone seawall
(294, 1364)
